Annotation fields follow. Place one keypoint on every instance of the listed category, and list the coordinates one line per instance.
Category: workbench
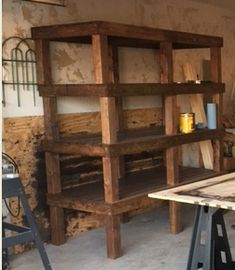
(209, 248)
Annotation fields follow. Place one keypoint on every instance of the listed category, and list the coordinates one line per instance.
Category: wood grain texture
(129, 89)
(114, 73)
(216, 192)
(206, 148)
(130, 142)
(109, 127)
(133, 191)
(51, 132)
(22, 137)
(197, 106)
(170, 113)
(124, 35)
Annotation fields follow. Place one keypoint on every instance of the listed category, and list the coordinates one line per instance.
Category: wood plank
(159, 35)
(129, 89)
(114, 237)
(157, 143)
(133, 194)
(133, 203)
(109, 126)
(56, 32)
(51, 132)
(216, 76)
(124, 32)
(197, 105)
(68, 202)
(118, 101)
(73, 148)
(196, 102)
(170, 112)
(129, 144)
(213, 192)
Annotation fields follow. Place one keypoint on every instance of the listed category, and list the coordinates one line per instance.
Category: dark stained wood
(129, 89)
(171, 121)
(117, 193)
(124, 35)
(216, 76)
(113, 236)
(109, 126)
(73, 148)
(56, 32)
(120, 116)
(161, 142)
(114, 70)
(129, 144)
(133, 191)
(51, 133)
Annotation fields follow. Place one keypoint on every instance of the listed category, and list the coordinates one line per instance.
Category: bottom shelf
(134, 189)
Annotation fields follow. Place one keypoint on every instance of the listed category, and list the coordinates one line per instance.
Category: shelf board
(130, 142)
(130, 89)
(133, 189)
(124, 35)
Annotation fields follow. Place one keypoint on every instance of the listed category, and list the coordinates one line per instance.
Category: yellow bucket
(187, 122)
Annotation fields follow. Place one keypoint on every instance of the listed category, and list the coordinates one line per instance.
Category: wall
(136, 65)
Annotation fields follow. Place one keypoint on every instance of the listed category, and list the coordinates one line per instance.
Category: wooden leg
(175, 217)
(113, 237)
(57, 225)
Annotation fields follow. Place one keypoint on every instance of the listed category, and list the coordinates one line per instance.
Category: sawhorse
(209, 245)
(12, 187)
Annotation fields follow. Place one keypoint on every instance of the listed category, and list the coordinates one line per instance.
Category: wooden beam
(170, 111)
(157, 143)
(130, 144)
(216, 76)
(128, 89)
(109, 136)
(51, 132)
(125, 34)
(119, 102)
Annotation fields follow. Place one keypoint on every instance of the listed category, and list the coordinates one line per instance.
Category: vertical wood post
(171, 120)
(109, 136)
(51, 132)
(120, 118)
(114, 72)
(216, 76)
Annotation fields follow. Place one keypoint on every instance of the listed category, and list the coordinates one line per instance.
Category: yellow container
(187, 122)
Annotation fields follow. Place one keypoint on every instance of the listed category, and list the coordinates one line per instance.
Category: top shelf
(124, 35)
(130, 89)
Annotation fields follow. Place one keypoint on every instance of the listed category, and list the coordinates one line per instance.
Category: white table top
(216, 192)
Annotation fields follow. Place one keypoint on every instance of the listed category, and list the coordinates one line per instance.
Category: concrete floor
(146, 241)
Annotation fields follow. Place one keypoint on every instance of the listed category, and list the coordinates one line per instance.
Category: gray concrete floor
(146, 241)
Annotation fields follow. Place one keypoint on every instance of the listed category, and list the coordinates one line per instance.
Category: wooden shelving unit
(118, 192)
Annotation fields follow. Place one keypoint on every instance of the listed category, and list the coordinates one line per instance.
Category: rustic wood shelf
(119, 192)
(129, 89)
(129, 143)
(133, 188)
(124, 35)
